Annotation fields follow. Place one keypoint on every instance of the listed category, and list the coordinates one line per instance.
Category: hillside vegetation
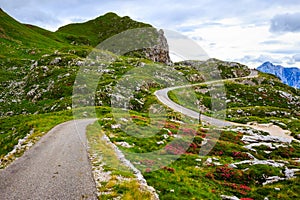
(95, 31)
(38, 69)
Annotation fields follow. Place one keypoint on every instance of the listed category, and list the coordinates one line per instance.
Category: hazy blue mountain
(289, 76)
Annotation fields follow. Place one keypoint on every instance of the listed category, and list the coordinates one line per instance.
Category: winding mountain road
(56, 167)
(163, 97)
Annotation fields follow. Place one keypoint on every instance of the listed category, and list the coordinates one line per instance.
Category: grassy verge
(190, 176)
(15, 128)
(113, 178)
(248, 102)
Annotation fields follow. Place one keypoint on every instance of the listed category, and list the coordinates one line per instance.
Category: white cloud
(255, 61)
(285, 23)
(296, 57)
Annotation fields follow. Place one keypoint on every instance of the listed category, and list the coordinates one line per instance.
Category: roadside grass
(120, 181)
(189, 176)
(15, 128)
(249, 102)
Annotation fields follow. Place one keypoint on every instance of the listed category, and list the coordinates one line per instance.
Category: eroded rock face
(159, 52)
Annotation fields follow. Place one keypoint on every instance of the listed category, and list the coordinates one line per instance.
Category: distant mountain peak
(268, 63)
(289, 76)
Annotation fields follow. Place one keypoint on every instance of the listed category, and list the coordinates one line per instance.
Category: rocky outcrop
(159, 52)
(148, 43)
(261, 138)
(212, 69)
(261, 162)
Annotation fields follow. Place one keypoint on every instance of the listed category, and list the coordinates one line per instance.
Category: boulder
(55, 61)
(268, 138)
(225, 197)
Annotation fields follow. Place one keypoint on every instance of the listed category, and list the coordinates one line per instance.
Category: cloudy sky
(247, 31)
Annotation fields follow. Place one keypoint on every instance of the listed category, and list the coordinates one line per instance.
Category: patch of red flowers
(171, 126)
(193, 146)
(189, 132)
(139, 118)
(242, 189)
(176, 148)
(169, 169)
(240, 155)
(148, 170)
(210, 175)
(225, 172)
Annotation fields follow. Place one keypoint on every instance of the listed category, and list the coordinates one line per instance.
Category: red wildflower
(193, 146)
(148, 170)
(245, 187)
(169, 169)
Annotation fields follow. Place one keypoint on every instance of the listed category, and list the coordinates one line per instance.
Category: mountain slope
(289, 76)
(97, 30)
(37, 77)
(18, 40)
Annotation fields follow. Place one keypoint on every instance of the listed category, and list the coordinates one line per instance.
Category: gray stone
(290, 173)
(225, 197)
(55, 61)
(261, 138)
(239, 111)
(250, 146)
(273, 179)
(232, 166)
(261, 162)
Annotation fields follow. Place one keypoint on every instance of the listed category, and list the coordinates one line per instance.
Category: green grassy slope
(37, 73)
(262, 99)
(49, 34)
(95, 31)
(19, 41)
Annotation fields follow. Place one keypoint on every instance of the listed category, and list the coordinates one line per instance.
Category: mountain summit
(97, 30)
(289, 76)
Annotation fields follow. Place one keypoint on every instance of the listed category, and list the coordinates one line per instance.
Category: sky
(246, 31)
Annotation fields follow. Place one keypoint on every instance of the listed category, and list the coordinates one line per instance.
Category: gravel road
(57, 167)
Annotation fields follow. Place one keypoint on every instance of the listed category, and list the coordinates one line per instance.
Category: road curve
(162, 96)
(56, 167)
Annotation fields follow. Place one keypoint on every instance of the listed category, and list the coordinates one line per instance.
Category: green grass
(189, 178)
(19, 41)
(122, 182)
(248, 102)
(105, 26)
(14, 128)
(185, 178)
